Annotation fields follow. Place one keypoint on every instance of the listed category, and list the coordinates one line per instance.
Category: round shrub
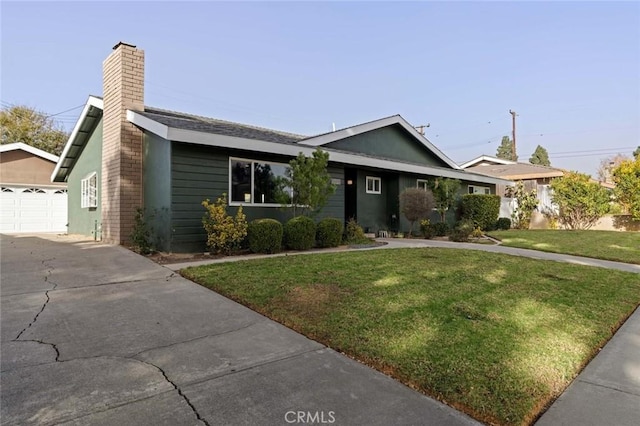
(428, 231)
(265, 236)
(503, 223)
(300, 233)
(441, 229)
(329, 232)
(462, 231)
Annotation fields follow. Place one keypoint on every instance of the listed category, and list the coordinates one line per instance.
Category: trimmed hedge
(300, 233)
(265, 236)
(329, 232)
(482, 209)
(503, 223)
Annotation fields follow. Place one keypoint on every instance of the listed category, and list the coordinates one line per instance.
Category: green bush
(462, 231)
(353, 233)
(265, 236)
(441, 229)
(224, 232)
(329, 232)
(427, 229)
(300, 233)
(503, 223)
(141, 234)
(482, 209)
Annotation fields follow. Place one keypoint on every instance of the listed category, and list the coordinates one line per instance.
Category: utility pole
(513, 141)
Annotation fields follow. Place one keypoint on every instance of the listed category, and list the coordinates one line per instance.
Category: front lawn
(608, 245)
(496, 336)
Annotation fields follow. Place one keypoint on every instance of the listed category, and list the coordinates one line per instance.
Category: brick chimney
(123, 89)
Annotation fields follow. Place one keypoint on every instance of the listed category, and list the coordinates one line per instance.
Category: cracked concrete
(95, 334)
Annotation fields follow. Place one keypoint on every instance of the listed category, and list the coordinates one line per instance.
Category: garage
(33, 209)
(29, 202)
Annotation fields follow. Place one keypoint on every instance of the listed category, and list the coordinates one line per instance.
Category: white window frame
(422, 184)
(89, 191)
(483, 190)
(251, 202)
(376, 181)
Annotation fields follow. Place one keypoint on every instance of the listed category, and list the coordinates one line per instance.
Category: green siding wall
(157, 189)
(83, 220)
(389, 142)
(199, 172)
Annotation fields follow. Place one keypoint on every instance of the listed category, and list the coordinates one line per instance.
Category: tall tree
(607, 165)
(23, 124)
(505, 150)
(627, 191)
(540, 156)
(310, 182)
(636, 153)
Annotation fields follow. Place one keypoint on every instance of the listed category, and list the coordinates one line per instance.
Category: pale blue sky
(570, 70)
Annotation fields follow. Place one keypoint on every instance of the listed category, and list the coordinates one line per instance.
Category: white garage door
(33, 209)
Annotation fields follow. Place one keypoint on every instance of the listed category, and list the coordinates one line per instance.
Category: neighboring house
(29, 202)
(534, 176)
(123, 155)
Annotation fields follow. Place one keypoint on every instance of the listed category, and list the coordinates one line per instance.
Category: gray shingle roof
(183, 121)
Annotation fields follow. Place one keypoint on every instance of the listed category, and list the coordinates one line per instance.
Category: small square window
(374, 185)
(422, 184)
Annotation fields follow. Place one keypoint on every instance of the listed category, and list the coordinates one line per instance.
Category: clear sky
(571, 70)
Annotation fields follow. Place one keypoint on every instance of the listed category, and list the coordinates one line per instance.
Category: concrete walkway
(94, 334)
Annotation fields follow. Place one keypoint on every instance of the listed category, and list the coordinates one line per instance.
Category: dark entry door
(350, 194)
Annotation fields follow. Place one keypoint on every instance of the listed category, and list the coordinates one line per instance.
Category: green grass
(608, 245)
(496, 336)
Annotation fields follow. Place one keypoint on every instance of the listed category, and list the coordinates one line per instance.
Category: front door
(350, 194)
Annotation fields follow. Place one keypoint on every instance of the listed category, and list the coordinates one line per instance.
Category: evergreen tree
(505, 150)
(540, 156)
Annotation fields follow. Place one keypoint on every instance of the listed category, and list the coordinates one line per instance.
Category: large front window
(258, 182)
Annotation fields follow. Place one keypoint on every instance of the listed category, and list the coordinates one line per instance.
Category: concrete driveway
(94, 334)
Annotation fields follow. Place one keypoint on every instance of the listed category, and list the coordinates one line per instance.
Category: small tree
(445, 193)
(627, 191)
(416, 204)
(23, 124)
(540, 156)
(310, 182)
(505, 150)
(525, 203)
(581, 201)
(224, 233)
(636, 153)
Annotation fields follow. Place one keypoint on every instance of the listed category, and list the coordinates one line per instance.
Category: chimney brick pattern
(123, 89)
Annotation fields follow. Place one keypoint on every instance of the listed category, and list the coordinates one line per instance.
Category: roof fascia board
(374, 125)
(148, 124)
(30, 149)
(91, 102)
(222, 141)
(486, 158)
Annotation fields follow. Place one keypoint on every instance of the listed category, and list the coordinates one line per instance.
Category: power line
(66, 110)
(622, 148)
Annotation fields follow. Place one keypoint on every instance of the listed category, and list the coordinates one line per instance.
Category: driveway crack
(53, 345)
(176, 387)
(46, 293)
